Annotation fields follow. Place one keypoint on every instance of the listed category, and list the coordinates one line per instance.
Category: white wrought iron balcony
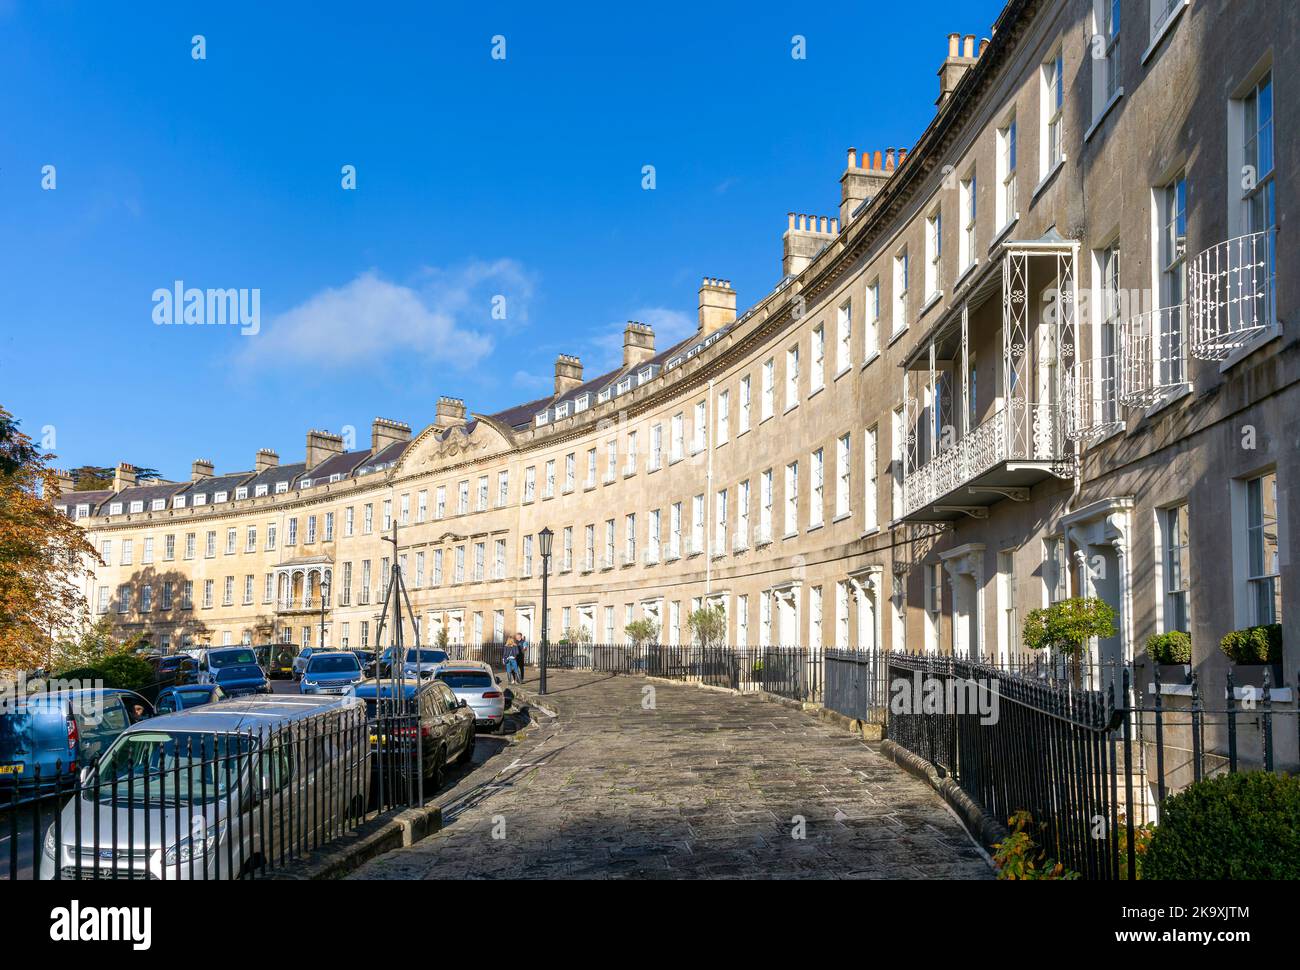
(1092, 398)
(740, 541)
(651, 557)
(1231, 298)
(1152, 355)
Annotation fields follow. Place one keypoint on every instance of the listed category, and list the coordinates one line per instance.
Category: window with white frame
(792, 498)
(656, 449)
(566, 549)
(677, 445)
(817, 372)
(1106, 52)
(570, 471)
(742, 423)
(815, 617)
(169, 548)
(816, 501)
(481, 504)
(720, 522)
(1263, 548)
(611, 460)
(842, 598)
(1055, 569)
(629, 467)
(503, 488)
(1051, 136)
(902, 271)
(654, 539)
(742, 515)
(629, 538)
(791, 377)
(933, 253)
(969, 202)
(1168, 338)
(724, 416)
(530, 483)
(1175, 559)
(769, 390)
(701, 427)
(548, 486)
(871, 339)
(609, 544)
(1107, 329)
(697, 524)
(458, 574)
(897, 444)
(525, 556)
(765, 506)
(1257, 167)
(675, 530)
(128, 551)
(1005, 211)
(742, 620)
(499, 559)
(1008, 625)
(367, 520)
(843, 337)
(589, 547)
(422, 505)
(388, 515)
(765, 620)
(843, 476)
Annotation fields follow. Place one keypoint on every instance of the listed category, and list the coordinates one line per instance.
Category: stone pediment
(436, 448)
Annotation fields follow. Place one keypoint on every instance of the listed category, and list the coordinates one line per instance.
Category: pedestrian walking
(521, 652)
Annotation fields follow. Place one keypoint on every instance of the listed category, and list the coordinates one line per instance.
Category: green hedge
(122, 671)
(1174, 647)
(1254, 645)
(1239, 826)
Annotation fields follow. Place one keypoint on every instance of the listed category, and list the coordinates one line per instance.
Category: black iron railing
(197, 804)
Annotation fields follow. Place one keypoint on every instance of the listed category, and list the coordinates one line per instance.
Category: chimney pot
(638, 343)
(853, 158)
(953, 41)
(968, 49)
(265, 458)
(200, 469)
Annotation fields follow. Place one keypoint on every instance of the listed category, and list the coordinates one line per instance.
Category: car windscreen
(218, 659)
(239, 672)
(193, 698)
(426, 657)
(465, 678)
(324, 663)
(167, 767)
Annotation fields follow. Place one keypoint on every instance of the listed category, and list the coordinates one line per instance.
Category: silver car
(475, 683)
(215, 792)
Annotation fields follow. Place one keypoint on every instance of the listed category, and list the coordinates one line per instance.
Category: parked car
(276, 659)
(63, 730)
(177, 669)
(212, 793)
(331, 672)
(174, 699)
(446, 726)
(300, 661)
(234, 670)
(415, 663)
(367, 659)
(475, 683)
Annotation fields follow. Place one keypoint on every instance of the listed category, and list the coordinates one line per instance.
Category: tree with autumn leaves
(44, 555)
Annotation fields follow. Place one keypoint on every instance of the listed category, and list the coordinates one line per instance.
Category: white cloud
(447, 317)
(670, 327)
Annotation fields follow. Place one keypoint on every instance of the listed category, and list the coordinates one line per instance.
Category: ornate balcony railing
(1092, 398)
(1152, 355)
(1026, 431)
(1231, 298)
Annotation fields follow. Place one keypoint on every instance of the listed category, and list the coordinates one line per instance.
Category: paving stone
(706, 785)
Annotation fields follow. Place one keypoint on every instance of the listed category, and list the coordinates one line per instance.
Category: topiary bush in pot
(1237, 826)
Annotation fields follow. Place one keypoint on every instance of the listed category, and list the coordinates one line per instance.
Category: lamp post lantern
(324, 598)
(544, 539)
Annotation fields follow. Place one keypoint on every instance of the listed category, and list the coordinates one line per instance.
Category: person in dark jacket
(521, 653)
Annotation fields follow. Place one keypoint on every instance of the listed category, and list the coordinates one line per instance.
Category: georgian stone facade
(1048, 351)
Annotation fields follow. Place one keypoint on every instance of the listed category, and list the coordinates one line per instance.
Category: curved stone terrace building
(1048, 350)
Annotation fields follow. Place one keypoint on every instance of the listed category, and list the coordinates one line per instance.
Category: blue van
(235, 670)
(59, 732)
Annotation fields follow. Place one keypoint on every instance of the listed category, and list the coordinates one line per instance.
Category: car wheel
(438, 770)
(468, 751)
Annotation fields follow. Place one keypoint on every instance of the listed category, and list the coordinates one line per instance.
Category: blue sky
(475, 177)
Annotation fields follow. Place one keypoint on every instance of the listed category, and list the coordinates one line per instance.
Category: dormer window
(178, 502)
(581, 402)
(241, 492)
(604, 395)
(83, 511)
(115, 508)
(561, 410)
(543, 417)
(137, 507)
(625, 385)
(281, 488)
(645, 375)
(200, 499)
(305, 483)
(335, 477)
(158, 504)
(220, 497)
(259, 491)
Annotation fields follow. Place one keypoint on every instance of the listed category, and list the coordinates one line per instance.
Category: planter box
(1252, 675)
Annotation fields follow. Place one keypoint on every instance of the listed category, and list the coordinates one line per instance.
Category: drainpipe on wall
(708, 495)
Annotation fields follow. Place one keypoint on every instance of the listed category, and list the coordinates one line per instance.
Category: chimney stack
(266, 458)
(450, 413)
(717, 305)
(66, 482)
(638, 343)
(568, 373)
(961, 56)
(322, 445)
(123, 476)
(861, 182)
(803, 240)
(384, 432)
(202, 468)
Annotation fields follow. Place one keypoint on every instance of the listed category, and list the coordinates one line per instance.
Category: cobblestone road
(706, 784)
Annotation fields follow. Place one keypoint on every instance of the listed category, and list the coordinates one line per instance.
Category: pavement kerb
(373, 839)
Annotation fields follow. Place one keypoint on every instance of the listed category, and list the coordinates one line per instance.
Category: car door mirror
(86, 775)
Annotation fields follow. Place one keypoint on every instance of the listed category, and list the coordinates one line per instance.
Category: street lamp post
(544, 539)
(324, 597)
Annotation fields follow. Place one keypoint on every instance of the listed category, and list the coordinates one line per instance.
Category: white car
(475, 683)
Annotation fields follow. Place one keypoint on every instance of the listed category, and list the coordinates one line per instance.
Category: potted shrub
(1066, 626)
(1253, 651)
(1171, 655)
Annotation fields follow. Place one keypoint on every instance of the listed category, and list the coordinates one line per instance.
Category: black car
(445, 724)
